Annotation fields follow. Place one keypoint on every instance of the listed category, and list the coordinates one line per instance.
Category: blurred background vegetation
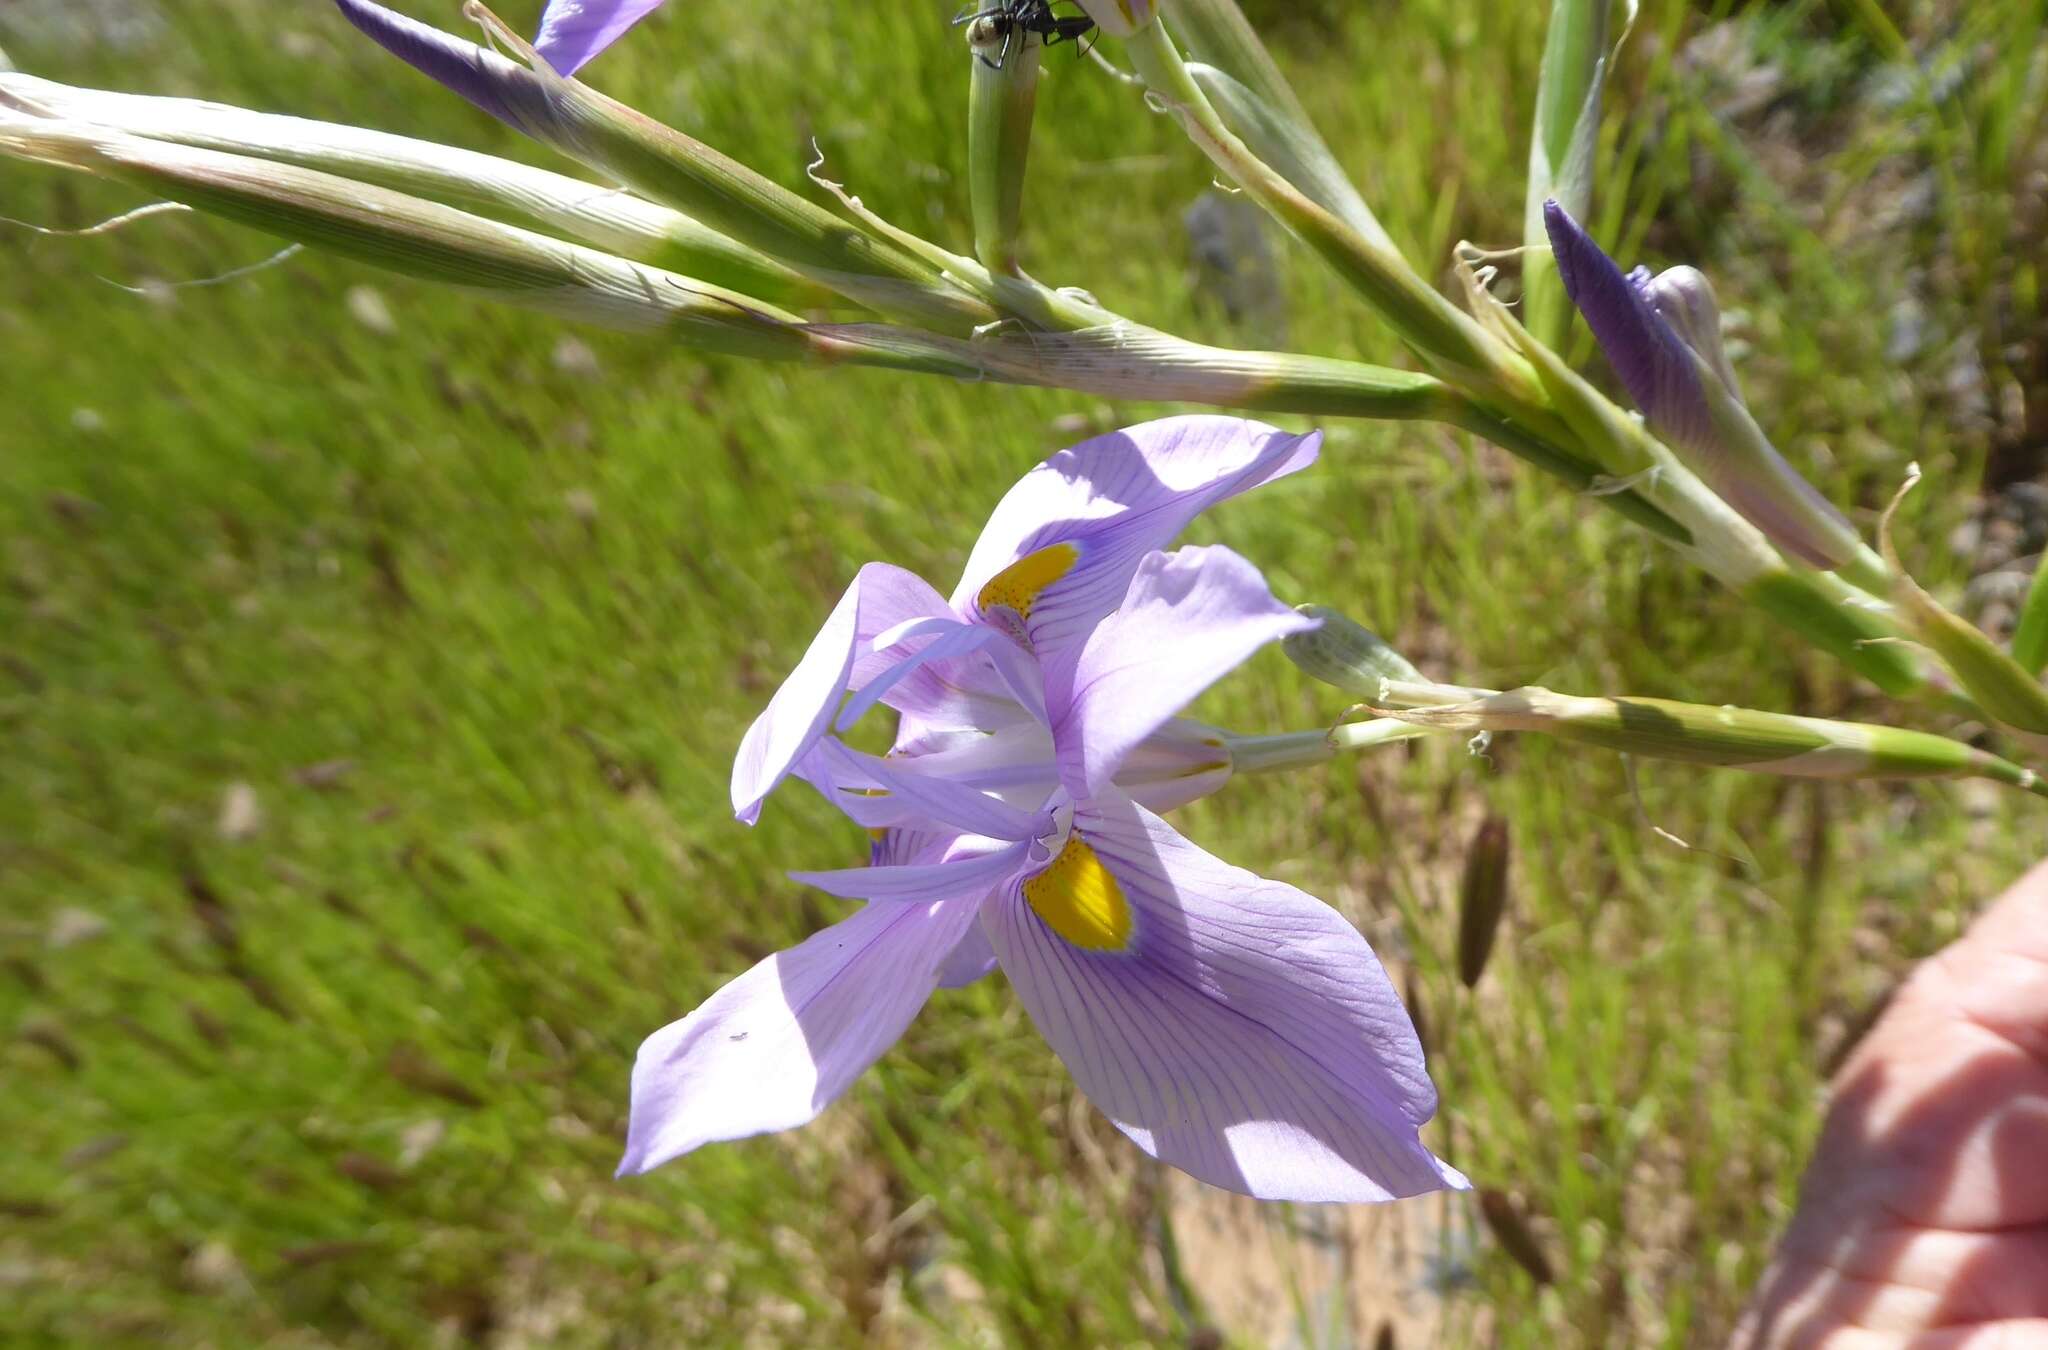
(371, 662)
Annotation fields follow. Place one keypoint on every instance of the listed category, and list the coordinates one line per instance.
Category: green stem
(1581, 474)
(1425, 318)
(1304, 749)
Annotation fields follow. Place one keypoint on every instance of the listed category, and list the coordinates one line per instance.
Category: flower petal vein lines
(1230, 1025)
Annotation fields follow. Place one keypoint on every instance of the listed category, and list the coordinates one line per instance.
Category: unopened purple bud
(1662, 336)
(1653, 361)
(1684, 298)
(500, 87)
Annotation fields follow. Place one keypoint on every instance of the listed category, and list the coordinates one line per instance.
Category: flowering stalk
(1512, 407)
(1239, 75)
(1305, 749)
(950, 306)
(615, 221)
(1849, 623)
(1424, 318)
(664, 164)
(1695, 733)
(416, 237)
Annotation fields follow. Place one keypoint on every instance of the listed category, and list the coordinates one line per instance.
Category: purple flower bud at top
(501, 88)
(1684, 298)
(1662, 336)
(1654, 362)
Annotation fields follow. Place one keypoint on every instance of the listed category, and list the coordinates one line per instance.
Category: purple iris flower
(1230, 1025)
(1662, 336)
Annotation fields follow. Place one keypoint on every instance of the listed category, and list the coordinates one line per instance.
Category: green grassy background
(477, 609)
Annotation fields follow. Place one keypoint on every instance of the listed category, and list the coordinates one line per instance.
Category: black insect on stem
(1008, 20)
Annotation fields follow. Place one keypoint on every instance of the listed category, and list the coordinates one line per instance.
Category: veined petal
(1189, 618)
(952, 643)
(1231, 1026)
(970, 960)
(1015, 762)
(1655, 365)
(951, 685)
(893, 600)
(894, 847)
(573, 31)
(882, 597)
(1180, 762)
(801, 710)
(965, 876)
(774, 1047)
(971, 957)
(940, 801)
(1061, 548)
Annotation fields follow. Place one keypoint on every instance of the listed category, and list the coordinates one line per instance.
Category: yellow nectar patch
(1080, 900)
(1018, 586)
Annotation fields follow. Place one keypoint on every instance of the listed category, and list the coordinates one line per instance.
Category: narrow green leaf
(1561, 150)
(2030, 641)
(2008, 693)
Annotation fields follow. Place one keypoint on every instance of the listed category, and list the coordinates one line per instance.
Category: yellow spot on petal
(1080, 900)
(1018, 586)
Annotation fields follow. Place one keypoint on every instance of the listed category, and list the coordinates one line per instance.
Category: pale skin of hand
(1923, 1218)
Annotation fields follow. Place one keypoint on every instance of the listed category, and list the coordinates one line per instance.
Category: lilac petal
(970, 960)
(1652, 360)
(948, 690)
(1015, 762)
(1180, 762)
(1183, 761)
(1061, 548)
(969, 876)
(502, 88)
(953, 641)
(1190, 617)
(882, 597)
(894, 847)
(1242, 1031)
(773, 1048)
(573, 31)
(798, 715)
(924, 798)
